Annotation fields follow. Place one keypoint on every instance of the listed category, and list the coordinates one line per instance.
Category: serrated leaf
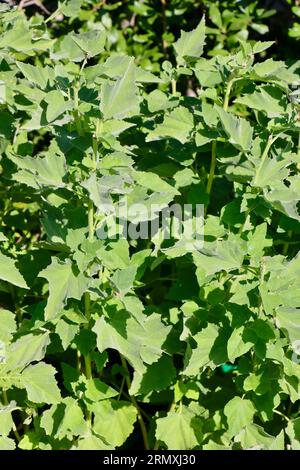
(139, 343)
(199, 357)
(239, 413)
(268, 99)
(40, 76)
(91, 42)
(238, 130)
(56, 105)
(237, 345)
(289, 320)
(123, 279)
(176, 430)
(44, 170)
(178, 125)
(8, 325)
(40, 383)
(114, 420)
(65, 419)
(26, 349)
(10, 273)
(191, 44)
(119, 99)
(64, 283)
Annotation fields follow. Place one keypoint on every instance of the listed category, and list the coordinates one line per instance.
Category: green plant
(118, 342)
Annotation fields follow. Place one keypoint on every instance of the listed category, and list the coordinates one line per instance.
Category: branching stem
(134, 402)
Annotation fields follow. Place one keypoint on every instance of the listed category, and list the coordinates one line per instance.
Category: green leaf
(238, 130)
(40, 383)
(114, 420)
(44, 170)
(40, 76)
(92, 443)
(239, 413)
(97, 391)
(139, 343)
(177, 125)
(17, 38)
(56, 105)
(268, 99)
(119, 99)
(237, 346)
(9, 272)
(64, 283)
(26, 349)
(6, 443)
(91, 42)
(269, 67)
(190, 44)
(8, 325)
(65, 419)
(228, 255)
(6, 421)
(179, 430)
(289, 320)
(123, 279)
(199, 357)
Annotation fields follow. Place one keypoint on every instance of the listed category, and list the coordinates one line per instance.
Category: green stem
(287, 243)
(227, 94)
(53, 15)
(16, 303)
(134, 402)
(173, 86)
(214, 144)
(241, 229)
(290, 232)
(87, 298)
(282, 415)
(264, 156)
(261, 280)
(14, 427)
(212, 169)
(76, 112)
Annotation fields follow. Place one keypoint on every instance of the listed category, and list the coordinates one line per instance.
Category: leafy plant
(117, 342)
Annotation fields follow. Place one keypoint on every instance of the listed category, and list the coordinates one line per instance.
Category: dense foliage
(122, 342)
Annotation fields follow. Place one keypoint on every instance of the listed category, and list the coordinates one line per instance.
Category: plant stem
(261, 280)
(212, 167)
(287, 243)
(214, 144)
(76, 112)
(87, 298)
(211, 171)
(134, 402)
(281, 414)
(16, 303)
(14, 427)
(227, 94)
(173, 85)
(164, 25)
(264, 156)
